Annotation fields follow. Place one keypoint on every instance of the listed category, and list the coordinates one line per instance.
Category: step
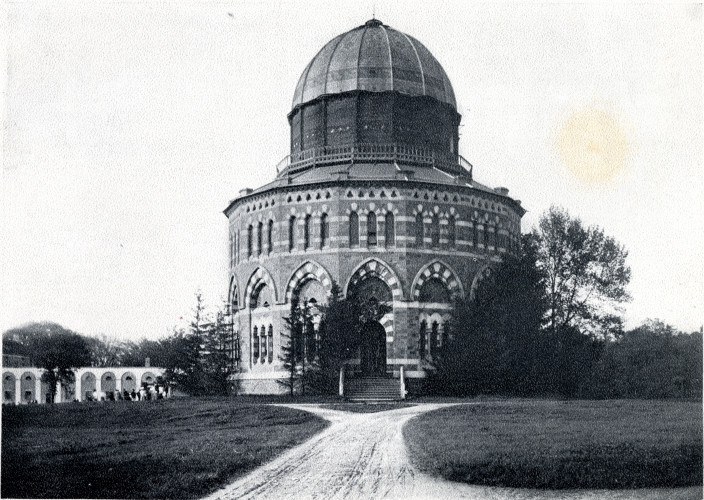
(372, 389)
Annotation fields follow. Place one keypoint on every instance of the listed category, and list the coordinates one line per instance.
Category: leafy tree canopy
(586, 274)
(54, 348)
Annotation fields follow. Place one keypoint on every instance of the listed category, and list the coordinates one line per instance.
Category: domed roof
(376, 58)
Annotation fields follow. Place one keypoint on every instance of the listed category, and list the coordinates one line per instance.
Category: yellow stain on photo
(593, 145)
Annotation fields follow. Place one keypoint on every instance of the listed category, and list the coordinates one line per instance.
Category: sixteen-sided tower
(374, 196)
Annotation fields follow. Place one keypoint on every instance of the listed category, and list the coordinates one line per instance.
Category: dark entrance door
(373, 349)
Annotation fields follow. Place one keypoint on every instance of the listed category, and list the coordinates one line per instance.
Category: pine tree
(290, 349)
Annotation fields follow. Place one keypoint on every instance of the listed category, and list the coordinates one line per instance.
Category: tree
(217, 356)
(586, 274)
(105, 352)
(653, 360)
(291, 348)
(54, 348)
(340, 336)
(199, 361)
(494, 345)
(183, 353)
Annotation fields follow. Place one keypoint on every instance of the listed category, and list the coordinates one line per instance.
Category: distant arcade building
(374, 196)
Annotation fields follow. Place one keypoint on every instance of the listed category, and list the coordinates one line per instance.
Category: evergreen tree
(291, 348)
(494, 344)
(339, 332)
(217, 355)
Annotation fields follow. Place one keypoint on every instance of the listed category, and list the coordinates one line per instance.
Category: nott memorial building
(373, 195)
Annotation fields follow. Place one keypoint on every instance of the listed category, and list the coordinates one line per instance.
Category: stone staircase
(372, 389)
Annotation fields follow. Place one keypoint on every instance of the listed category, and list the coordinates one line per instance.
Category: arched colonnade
(24, 385)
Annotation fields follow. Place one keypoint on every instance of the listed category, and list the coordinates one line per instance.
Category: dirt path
(362, 455)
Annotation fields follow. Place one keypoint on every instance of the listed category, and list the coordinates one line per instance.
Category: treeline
(33, 340)
(547, 323)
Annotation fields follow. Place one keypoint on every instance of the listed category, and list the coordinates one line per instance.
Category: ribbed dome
(375, 58)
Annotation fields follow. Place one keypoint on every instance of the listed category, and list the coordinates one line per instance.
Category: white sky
(129, 127)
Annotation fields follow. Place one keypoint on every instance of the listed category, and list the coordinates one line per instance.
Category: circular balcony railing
(400, 153)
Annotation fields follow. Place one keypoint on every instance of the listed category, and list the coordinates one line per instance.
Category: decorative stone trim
(258, 276)
(307, 271)
(441, 271)
(376, 268)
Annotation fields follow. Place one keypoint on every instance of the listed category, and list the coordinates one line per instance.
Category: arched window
(306, 232)
(475, 234)
(482, 235)
(434, 290)
(249, 240)
(292, 233)
(445, 332)
(354, 229)
(389, 230)
(264, 344)
(371, 229)
(270, 237)
(490, 237)
(451, 236)
(255, 344)
(324, 230)
(435, 231)
(419, 230)
(421, 346)
(260, 230)
(271, 343)
(434, 338)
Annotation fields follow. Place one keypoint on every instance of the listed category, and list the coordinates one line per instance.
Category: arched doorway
(374, 298)
(373, 349)
(8, 388)
(129, 382)
(108, 385)
(88, 386)
(28, 387)
(148, 379)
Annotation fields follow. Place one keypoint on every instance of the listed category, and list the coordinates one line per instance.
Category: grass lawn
(366, 408)
(562, 444)
(176, 448)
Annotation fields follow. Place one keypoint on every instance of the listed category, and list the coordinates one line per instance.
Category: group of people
(144, 394)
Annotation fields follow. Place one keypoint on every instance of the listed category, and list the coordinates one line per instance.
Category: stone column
(38, 389)
(58, 392)
(118, 384)
(79, 386)
(18, 389)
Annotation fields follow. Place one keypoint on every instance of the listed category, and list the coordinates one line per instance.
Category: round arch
(439, 270)
(28, 388)
(148, 378)
(128, 382)
(88, 385)
(309, 270)
(108, 382)
(8, 387)
(260, 275)
(377, 268)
